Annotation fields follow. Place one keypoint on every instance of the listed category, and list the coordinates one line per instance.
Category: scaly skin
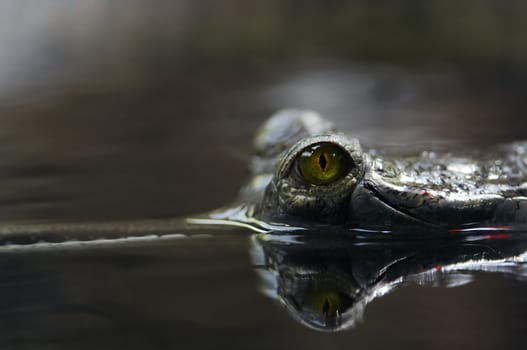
(441, 188)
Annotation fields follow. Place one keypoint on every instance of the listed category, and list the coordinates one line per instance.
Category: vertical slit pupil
(325, 307)
(322, 161)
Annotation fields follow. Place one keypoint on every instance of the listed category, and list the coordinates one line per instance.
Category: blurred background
(145, 109)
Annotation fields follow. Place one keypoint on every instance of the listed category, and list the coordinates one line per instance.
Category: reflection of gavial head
(319, 301)
(320, 296)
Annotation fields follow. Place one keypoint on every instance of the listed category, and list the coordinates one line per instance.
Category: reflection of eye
(323, 163)
(329, 304)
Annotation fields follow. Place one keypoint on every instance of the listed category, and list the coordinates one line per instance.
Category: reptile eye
(326, 303)
(323, 163)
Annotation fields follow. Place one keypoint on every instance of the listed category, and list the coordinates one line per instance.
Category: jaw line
(375, 192)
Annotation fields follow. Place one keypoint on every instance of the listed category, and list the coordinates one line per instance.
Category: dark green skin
(441, 188)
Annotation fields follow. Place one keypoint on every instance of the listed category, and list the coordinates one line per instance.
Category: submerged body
(305, 173)
(313, 175)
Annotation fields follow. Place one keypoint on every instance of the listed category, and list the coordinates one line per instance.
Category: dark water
(204, 292)
(156, 120)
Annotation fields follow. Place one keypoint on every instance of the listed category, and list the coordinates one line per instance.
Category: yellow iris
(326, 303)
(323, 163)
